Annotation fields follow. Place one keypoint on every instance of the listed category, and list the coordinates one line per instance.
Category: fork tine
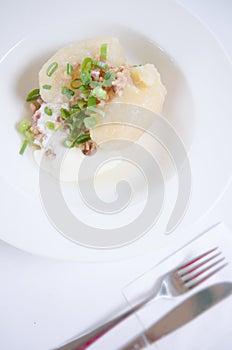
(196, 259)
(207, 276)
(202, 270)
(196, 267)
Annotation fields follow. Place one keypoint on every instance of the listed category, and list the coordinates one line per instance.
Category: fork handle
(83, 342)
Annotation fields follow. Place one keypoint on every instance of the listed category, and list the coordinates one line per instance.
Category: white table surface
(43, 301)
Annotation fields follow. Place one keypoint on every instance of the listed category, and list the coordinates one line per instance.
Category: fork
(174, 283)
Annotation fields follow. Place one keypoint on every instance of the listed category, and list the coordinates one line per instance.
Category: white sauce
(44, 118)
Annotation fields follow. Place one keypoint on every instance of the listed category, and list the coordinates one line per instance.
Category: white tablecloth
(43, 302)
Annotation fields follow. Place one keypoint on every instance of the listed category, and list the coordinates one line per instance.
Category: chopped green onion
(74, 115)
(100, 64)
(109, 79)
(99, 93)
(92, 101)
(85, 78)
(93, 84)
(29, 136)
(103, 51)
(69, 125)
(50, 125)
(48, 111)
(82, 88)
(92, 109)
(51, 69)
(68, 143)
(23, 126)
(85, 94)
(47, 87)
(86, 64)
(79, 123)
(67, 92)
(33, 95)
(64, 113)
(82, 104)
(75, 108)
(75, 84)
(90, 122)
(69, 69)
(24, 146)
(75, 120)
(107, 75)
(82, 138)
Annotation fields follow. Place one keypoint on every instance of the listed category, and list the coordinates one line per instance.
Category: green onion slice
(69, 69)
(33, 95)
(103, 51)
(92, 101)
(109, 78)
(90, 122)
(82, 104)
(85, 94)
(51, 69)
(74, 109)
(64, 113)
(107, 75)
(99, 93)
(79, 123)
(23, 126)
(50, 125)
(29, 136)
(24, 146)
(85, 78)
(101, 65)
(48, 111)
(93, 84)
(68, 143)
(82, 138)
(75, 84)
(47, 87)
(86, 64)
(70, 126)
(67, 92)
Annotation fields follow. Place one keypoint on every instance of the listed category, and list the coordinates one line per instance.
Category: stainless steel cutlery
(176, 282)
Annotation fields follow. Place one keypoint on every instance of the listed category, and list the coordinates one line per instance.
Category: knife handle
(136, 344)
(83, 342)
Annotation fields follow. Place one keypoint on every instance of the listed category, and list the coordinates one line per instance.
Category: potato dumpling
(90, 94)
(74, 54)
(144, 89)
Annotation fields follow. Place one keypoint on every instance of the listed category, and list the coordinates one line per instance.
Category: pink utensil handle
(83, 342)
(90, 341)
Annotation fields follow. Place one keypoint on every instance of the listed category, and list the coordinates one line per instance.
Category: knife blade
(185, 312)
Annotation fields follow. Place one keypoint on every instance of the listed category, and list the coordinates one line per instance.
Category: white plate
(198, 78)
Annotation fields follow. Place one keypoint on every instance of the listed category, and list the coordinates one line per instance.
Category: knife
(181, 314)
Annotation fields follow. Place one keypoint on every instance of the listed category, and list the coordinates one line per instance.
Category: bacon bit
(60, 120)
(76, 65)
(119, 84)
(95, 74)
(89, 148)
(35, 130)
(33, 107)
(66, 127)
